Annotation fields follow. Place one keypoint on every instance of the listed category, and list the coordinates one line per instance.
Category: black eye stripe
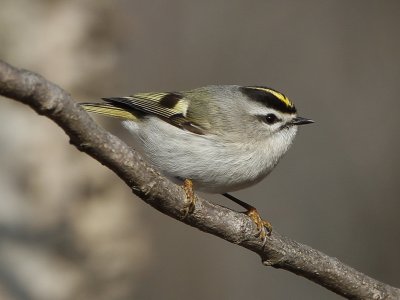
(271, 119)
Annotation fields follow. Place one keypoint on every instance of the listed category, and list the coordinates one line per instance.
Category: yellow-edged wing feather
(171, 107)
(108, 110)
(161, 104)
(166, 105)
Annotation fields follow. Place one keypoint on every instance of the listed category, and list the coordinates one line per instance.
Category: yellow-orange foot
(190, 200)
(264, 227)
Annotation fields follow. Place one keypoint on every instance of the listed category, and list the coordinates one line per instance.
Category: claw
(190, 198)
(264, 227)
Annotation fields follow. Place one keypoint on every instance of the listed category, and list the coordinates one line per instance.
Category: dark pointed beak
(301, 121)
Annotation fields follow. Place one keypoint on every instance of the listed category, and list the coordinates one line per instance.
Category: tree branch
(50, 100)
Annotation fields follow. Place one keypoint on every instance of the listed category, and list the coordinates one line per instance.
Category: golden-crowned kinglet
(217, 139)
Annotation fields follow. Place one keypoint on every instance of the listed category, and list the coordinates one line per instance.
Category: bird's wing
(170, 107)
(109, 110)
(160, 104)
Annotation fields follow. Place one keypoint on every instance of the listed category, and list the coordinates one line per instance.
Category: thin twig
(50, 100)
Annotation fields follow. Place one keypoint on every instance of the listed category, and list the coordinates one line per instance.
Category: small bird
(215, 139)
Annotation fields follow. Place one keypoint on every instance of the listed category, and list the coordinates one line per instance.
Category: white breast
(214, 166)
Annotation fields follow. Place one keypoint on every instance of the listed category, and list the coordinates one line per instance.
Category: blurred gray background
(70, 229)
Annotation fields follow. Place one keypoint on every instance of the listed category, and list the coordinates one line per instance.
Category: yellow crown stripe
(278, 95)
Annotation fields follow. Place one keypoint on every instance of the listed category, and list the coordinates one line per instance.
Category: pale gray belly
(212, 165)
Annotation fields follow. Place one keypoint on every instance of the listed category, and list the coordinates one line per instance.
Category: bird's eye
(271, 119)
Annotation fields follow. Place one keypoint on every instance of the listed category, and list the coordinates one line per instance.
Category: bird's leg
(264, 227)
(190, 197)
